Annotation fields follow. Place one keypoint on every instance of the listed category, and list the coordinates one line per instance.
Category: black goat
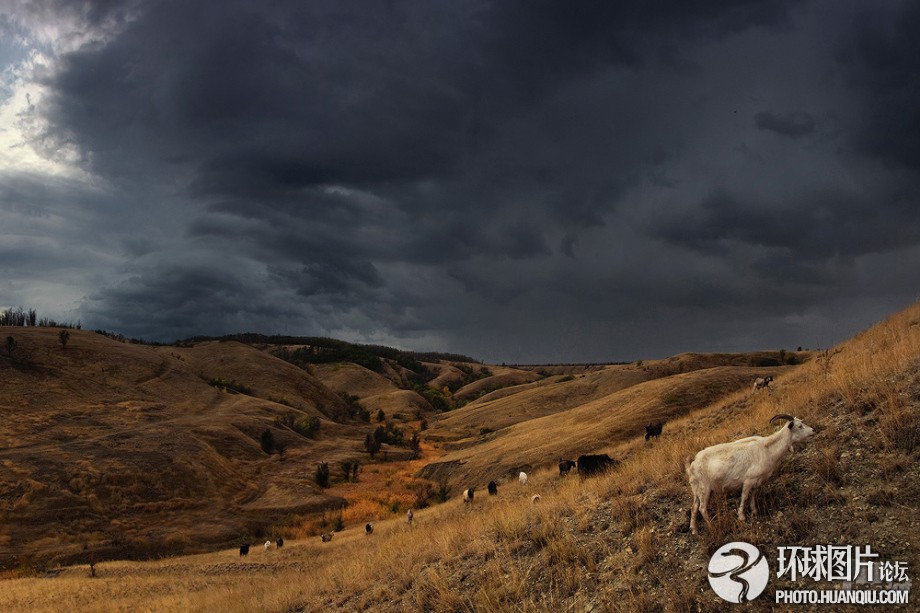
(589, 465)
(653, 430)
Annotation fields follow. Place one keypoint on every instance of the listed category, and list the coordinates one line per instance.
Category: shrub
(354, 408)
(371, 444)
(267, 441)
(308, 426)
(443, 492)
(435, 398)
(322, 474)
(423, 493)
(350, 471)
(231, 387)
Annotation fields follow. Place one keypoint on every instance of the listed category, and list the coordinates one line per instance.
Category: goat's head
(800, 430)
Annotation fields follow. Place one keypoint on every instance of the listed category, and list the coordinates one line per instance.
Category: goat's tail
(687, 462)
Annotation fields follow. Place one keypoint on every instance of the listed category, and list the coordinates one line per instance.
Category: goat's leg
(704, 506)
(745, 493)
(693, 510)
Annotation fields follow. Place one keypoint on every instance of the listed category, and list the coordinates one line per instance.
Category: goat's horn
(782, 416)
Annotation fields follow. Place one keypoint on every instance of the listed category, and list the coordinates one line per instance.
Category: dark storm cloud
(793, 125)
(175, 300)
(517, 180)
(818, 226)
(882, 59)
(296, 95)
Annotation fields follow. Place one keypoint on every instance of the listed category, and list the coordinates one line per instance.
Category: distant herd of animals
(742, 464)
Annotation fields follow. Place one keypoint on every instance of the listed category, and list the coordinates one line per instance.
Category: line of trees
(29, 318)
(391, 435)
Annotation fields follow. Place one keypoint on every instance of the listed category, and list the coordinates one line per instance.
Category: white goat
(468, 496)
(268, 545)
(745, 464)
(762, 382)
(522, 478)
(409, 516)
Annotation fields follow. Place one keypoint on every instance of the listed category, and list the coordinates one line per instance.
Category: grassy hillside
(615, 543)
(121, 449)
(594, 426)
(565, 388)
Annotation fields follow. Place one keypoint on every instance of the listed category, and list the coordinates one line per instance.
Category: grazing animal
(535, 498)
(327, 537)
(279, 543)
(409, 516)
(594, 464)
(493, 488)
(468, 495)
(522, 478)
(565, 466)
(745, 464)
(268, 545)
(368, 529)
(762, 382)
(653, 430)
(244, 550)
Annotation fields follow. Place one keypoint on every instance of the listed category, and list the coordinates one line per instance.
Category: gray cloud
(793, 125)
(514, 180)
(881, 57)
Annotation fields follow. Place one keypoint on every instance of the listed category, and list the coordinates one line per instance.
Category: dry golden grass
(113, 449)
(615, 543)
(613, 419)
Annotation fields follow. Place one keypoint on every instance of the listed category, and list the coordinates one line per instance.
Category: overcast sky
(521, 181)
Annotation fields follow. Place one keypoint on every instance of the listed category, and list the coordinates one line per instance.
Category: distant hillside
(585, 420)
(121, 447)
(318, 350)
(563, 388)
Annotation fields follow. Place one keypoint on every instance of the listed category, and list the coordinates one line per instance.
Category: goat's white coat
(745, 463)
(522, 478)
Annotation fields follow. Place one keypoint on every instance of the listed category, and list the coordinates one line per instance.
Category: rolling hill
(617, 543)
(123, 449)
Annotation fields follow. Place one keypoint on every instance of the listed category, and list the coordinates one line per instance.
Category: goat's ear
(791, 424)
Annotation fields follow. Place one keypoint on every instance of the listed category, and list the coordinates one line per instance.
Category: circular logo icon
(738, 572)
